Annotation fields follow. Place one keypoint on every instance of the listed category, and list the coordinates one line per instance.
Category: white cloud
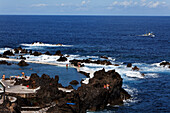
(132, 3)
(39, 5)
(83, 2)
(62, 4)
(152, 4)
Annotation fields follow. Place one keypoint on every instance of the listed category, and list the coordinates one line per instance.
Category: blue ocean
(120, 38)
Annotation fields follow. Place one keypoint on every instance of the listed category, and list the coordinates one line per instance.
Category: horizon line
(78, 15)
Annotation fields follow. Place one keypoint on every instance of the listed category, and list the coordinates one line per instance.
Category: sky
(85, 7)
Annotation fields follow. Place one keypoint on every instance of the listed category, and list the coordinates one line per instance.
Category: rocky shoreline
(105, 88)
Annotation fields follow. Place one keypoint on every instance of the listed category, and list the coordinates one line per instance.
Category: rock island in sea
(45, 94)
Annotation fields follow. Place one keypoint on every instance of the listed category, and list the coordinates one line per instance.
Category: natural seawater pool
(66, 75)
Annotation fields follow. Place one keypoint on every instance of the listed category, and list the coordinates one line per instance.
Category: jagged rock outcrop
(102, 62)
(165, 63)
(105, 88)
(58, 53)
(8, 52)
(135, 68)
(129, 65)
(47, 53)
(62, 59)
(36, 53)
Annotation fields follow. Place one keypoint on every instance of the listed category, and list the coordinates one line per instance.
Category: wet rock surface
(8, 52)
(62, 59)
(23, 63)
(165, 63)
(103, 89)
(58, 53)
(36, 53)
(129, 65)
(5, 62)
(135, 68)
(102, 62)
(93, 96)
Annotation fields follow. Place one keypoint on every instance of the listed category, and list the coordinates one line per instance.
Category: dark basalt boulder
(135, 68)
(47, 53)
(23, 63)
(24, 51)
(21, 57)
(62, 59)
(74, 82)
(104, 57)
(58, 53)
(30, 52)
(36, 53)
(16, 51)
(8, 52)
(5, 62)
(165, 63)
(129, 65)
(102, 62)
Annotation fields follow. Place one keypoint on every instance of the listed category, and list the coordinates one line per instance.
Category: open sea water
(118, 37)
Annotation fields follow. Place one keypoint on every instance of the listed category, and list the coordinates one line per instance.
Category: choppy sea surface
(118, 37)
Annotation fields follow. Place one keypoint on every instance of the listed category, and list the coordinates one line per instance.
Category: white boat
(150, 34)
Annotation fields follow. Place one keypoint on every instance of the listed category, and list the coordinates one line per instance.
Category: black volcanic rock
(104, 57)
(103, 89)
(30, 52)
(129, 65)
(93, 96)
(47, 53)
(5, 62)
(22, 57)
(103, 62)
(36, 53)
(16, 51)
(8, 52)
(24, 51)
(58, 53)
(165, 63)
(135, 68)
(62, 59)
(23, 63)
(74, 82)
